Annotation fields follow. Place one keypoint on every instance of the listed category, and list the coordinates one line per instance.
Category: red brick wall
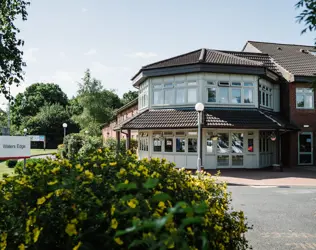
(300, 117)
(108, 131)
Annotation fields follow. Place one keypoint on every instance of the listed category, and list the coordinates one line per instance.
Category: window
(211, 94)
(143, 95)
(223, 160)
(168, 145)
(304, 98)
(180, 145)
(143, 143)
(223, 95)
(174, 93)
(265, 93)
(192, 145)
(250, 145)
(210, 144)
(237, 143)
(238, 93)
(223, 143)
(157, 145)
(237, 160)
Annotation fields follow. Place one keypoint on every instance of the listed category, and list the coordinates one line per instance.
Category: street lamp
(199, 107)
(25, 131)
(65, 127)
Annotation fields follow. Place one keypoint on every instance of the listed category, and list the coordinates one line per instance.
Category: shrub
(72, 144)
(11, 163)
(32, 161)
(111, 143)
(111, 202)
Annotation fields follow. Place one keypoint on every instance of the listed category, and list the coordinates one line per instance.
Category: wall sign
(15, 147)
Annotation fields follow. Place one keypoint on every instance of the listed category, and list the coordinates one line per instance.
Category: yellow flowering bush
(105, 201)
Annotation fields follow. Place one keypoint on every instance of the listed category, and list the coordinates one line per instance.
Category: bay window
(304, 98)
(234, 93)
(175, 93)
(265, 95)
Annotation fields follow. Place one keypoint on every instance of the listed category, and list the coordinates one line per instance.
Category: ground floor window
(143, 143)
(305, 148)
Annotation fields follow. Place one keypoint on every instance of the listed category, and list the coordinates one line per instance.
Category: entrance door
(305, 148)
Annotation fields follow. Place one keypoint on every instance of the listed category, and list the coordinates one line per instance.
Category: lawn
(4, 169)
(42, 151)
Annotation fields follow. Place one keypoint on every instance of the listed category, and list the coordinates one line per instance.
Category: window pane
(168, 85)
(248, 84)
(168, 96)
(236, 84)
(300, 101)
(192, 83)
(192, 95)
(157, 145)
(211, 95)
(192, 145)
(223, 95)
(209, 145)
(305, 159)
(309, 101)
(222, 160)
(237, 143)
(223, 143)
(305, 141)
(180, 144)
(267, 99)
(180, 84)
(236, 95)
(237, 160)
(248, 95)
(263, 98)
(157, 97)
(180, 96)
(157, 86)
(250, 145)
(169, 145)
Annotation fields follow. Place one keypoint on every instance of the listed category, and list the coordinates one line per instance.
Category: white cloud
(83, 10)
(90, 52)
(29, 55)
(142, 54)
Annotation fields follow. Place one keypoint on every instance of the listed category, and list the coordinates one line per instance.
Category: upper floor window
(304, 98)
(175, 93)
(265, 94)
(143, 96)
(234, 92)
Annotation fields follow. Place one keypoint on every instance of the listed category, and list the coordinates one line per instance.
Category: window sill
(309, 109)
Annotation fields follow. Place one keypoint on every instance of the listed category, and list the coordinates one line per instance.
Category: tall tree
(37, 95)
(11, 55)
(129, 96)
(308, 15)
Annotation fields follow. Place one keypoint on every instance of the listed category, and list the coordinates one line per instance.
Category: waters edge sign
(15, 147)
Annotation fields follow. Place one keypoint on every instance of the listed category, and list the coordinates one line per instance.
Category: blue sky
(115, 38)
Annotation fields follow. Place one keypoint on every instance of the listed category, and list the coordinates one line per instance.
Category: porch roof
(249, 118)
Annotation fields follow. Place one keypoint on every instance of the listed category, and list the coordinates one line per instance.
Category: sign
(37, 138)
(15, 147)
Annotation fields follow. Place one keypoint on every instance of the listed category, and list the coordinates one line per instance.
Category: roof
(212, 117)
(293, 58)
(127, 105)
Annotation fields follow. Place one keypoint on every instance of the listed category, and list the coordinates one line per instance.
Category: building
(254, 107)
(122, 115)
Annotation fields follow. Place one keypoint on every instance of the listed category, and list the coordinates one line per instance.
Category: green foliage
(308, 15)
(129, 96)
(11, 163)
(48, 121)
(110, 202)
(111, 144)
(29, 103)
(11, 62)
(32, 161)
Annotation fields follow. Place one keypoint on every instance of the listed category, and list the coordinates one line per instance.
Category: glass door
(305, 148)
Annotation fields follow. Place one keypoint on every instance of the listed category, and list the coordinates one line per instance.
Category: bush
(111, 143)
(110, 202)
(32, 161)
(11, 163)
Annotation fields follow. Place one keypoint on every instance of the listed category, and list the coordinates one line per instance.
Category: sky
(115, 38)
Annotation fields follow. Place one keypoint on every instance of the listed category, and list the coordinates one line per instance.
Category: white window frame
(265, 90)
(305, 92)
(230, 86)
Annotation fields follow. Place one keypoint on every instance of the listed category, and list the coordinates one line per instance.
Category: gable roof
(294, 58)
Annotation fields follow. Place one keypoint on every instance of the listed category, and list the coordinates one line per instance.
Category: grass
(4, 169)
(42, 151)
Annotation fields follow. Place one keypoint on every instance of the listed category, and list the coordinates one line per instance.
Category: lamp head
(65, 125)
(199, 107)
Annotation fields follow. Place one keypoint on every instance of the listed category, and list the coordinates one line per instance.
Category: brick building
(122, 115)
(259, 107)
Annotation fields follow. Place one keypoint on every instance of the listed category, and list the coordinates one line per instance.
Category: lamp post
(65, 128)
(199, 107)
(25, 133)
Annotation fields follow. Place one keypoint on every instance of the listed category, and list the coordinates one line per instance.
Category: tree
(28, 103)
(97, 104)
(48, 121)
(11, 63)
(129, 96)
(308, 15)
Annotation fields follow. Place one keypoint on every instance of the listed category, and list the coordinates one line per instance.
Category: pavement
(298, 176)
(281, 217)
